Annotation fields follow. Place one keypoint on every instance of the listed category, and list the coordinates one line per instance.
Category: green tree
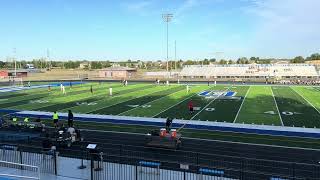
(298, 59)
(96, 65)
(222, 61)
(243, 60)
(2, 64)
(189, 62)
(206, 62)
(212, 60)
(315, 56)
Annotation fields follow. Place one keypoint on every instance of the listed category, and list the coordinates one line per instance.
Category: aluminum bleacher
(250, 70)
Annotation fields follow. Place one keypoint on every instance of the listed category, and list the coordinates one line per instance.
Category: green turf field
(270, 105)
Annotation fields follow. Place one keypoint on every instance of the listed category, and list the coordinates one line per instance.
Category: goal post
(17, 170)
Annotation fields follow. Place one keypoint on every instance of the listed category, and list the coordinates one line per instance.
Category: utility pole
(167, 18)
(15, 61)
(175, 55)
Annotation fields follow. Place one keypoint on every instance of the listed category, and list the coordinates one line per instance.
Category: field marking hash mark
(235, 119)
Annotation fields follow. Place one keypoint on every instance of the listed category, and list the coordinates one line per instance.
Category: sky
(134, 29)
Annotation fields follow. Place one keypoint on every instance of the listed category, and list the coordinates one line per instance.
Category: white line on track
(274, 98)
(149, 102)
(210, 103)
(305, 99)
(125, 100)
(235, 119)
(209, 140)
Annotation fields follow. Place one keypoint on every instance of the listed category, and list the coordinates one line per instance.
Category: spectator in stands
(71, 130)
(14, 120)
(70, 118)
(1, 121)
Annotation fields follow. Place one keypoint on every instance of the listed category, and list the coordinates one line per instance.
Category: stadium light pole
(167, 18)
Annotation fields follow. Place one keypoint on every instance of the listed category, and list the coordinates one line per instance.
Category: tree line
(172, 65)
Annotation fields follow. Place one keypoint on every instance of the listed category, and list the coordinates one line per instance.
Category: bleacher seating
(250, 70)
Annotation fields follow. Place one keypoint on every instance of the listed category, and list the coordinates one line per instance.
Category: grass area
(294, 110)
(298, 106)
(295, 106)
(265, 113)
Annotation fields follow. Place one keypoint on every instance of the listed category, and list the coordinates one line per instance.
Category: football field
(297, 106)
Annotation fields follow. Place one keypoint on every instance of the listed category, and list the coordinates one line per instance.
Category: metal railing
(25, 173)
(128, 164)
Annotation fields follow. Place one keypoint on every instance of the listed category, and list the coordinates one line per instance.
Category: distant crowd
(300, 82)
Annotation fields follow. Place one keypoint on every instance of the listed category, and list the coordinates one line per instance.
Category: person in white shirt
(71, 130)
(110, 91)
(63, 90)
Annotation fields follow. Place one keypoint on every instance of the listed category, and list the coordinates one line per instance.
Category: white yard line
(274, 98)
(124, 101)
(148, 103)
(305, 99)
(235, 119)
(174, 105)
(209, 103)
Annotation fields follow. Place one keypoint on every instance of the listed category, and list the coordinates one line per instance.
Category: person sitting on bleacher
(26, 120)
(14, 120)
(72, 131)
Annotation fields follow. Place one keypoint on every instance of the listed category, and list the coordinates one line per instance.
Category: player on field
(61, 86)
(63, 90)
(188, 89)
(190, 107)
(110, 91)
(91, 90)
(49, 88)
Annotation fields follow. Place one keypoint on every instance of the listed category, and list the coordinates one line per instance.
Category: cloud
(285, 26)
(140, 7)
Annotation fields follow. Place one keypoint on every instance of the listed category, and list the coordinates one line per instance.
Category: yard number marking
(39, 101)
(86, 104)
(287, 113)
(142, 106)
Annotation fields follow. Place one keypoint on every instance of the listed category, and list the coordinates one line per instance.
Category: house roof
(119, 69)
